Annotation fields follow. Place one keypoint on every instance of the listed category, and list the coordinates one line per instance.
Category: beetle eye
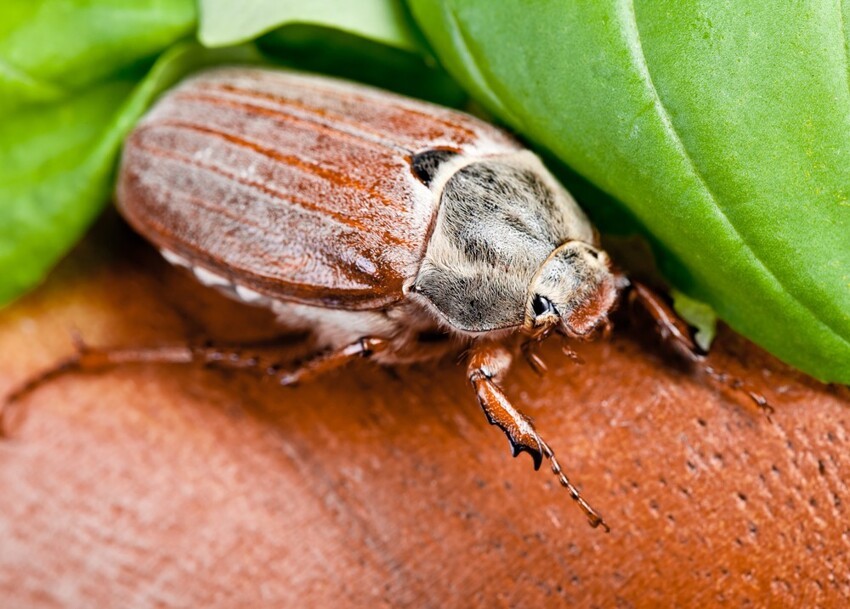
(542, 305)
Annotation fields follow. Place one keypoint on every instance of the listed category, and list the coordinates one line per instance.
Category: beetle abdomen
(297, 187)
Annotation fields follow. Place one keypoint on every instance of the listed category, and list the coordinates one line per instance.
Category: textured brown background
(152, 486)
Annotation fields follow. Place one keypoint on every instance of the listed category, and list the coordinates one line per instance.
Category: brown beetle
(390, 228)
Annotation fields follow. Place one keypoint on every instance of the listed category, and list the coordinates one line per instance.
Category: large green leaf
(723, 126)
(67, 70)
(50, 49)
(58, 163)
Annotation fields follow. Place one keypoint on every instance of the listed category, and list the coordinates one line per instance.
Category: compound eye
(542, 305)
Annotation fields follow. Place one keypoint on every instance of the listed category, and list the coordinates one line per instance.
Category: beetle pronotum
(391, 228)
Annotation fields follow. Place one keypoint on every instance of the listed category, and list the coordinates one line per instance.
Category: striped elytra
(295, 186)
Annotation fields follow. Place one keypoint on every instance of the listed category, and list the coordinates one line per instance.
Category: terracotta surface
(151, 486)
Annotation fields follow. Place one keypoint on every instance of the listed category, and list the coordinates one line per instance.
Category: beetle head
(573, 291)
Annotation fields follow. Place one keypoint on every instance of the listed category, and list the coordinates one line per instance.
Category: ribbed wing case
(299, 187)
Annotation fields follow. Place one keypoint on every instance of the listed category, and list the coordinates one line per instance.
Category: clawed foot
(487, 364)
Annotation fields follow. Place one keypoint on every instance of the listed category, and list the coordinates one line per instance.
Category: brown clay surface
(154, 486)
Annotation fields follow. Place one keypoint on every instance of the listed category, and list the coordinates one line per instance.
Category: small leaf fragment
(700, 315)
(224, 22)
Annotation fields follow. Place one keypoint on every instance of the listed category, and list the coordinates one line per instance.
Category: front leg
(675, 334)
(487, 364)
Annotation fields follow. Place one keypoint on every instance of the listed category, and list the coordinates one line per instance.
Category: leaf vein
(843, 28)
(12, 71)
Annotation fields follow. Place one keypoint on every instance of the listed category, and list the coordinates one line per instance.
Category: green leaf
(337, 53)
(58, 163)
(50, 49)
(226, 22)
(724, 127)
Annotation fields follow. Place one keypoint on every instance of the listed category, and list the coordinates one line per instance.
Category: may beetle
(390, 228)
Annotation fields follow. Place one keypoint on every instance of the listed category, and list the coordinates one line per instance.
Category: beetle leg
(363, 347)
(487, 365)
(677, 335)
(87, 359)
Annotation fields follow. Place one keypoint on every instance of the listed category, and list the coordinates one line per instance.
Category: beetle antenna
(594, 518)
